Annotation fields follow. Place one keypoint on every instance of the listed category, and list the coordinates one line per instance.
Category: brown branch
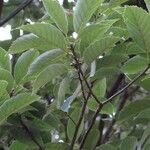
(78, 67)
(29, 133)
(81, 78)
(107, 101)
(126, 87)
(90, 126)
(71, 119)
(16, 11)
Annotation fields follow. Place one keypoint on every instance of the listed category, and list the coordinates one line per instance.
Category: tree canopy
(75, 75)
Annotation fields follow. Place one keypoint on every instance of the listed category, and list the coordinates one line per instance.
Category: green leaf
(111, 60)
(147, 4)
(27, 42)
(21, 135)
(100, 88)
(119, 32)
(106, 72)
(5, 75)
(48, 32)
(130, 142)
(138, 24)
(3, 85)
(145, 136)
(72, 123)
(92, 139)
(133, 109)
(94, 32)
(5, 61)
(17, 145)
(48, 74)
(107, 109)
(3, 91)
(106, 147)
(45, 59)
(98, 48)
(56, 146)
(144, 114)
(57, 13)
(83, 12)
(15, 104)
(116, 2)
(23, 63)
(64, 85)
(52, 120)
(135, 65)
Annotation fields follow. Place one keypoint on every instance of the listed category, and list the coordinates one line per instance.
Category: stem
(78, 67)
(127, 86)
(107, 101)
(16, 11)
(81, 78)
(91, 125)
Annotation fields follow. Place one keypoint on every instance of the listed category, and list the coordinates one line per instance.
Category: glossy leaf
(5, 75)
(144, 114)
(94, 32)
(3, 85)
(92, 139)
(57, 13)
(83, 11)
(15, 104)
(64, 86)
(48, 74)
(17, 145)
(27, 42)
(23, 63)
(107, 109)
(45, 59)
(106, 72)
(5, 61)
(135, 65)
(100, 88)
(147, 4)
(133, 109)
(98, 48)
(72, 123)
(47, 32)
(131, 142)
(106, 147)
(56, 146)
(138, 24)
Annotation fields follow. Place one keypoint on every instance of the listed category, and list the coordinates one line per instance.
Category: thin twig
(77, 66)
(16, 11)
(71, 119)
(107, 101)
(126, 87)
(91, 125)
(81, 78)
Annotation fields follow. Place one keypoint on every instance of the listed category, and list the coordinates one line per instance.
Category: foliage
(78, 78)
